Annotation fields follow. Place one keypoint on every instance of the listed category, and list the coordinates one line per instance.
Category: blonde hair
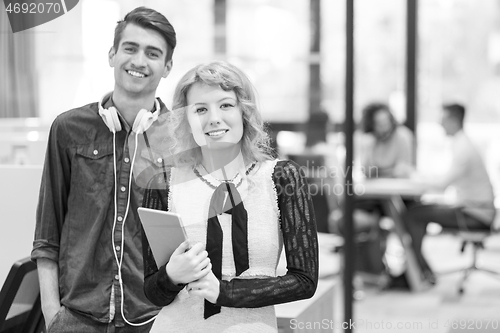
(255, 140)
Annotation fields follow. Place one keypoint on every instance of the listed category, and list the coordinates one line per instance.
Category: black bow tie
(226, 199)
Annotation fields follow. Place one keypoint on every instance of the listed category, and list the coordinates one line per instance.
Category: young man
(87, 242)
(474, 207)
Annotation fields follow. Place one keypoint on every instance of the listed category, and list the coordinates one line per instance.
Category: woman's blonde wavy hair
(255, 140)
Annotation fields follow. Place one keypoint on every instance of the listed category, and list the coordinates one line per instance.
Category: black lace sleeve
(301, 249)
(158, 288)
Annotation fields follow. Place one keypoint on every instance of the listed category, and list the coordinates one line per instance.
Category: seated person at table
(474, 207)
(386, 148)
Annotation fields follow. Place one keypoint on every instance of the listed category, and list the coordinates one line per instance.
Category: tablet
(164, 231)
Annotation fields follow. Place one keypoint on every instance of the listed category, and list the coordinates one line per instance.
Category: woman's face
(382, 124)
(214, 116)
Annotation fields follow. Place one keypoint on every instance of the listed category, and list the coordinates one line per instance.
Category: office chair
(476, 238)
(20, 309)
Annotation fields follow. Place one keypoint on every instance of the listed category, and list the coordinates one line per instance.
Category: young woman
(239, 207)
(387, 148)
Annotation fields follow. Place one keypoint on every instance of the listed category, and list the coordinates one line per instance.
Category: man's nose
(139, 59)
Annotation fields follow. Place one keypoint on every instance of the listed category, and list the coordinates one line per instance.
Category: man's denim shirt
(76, 209)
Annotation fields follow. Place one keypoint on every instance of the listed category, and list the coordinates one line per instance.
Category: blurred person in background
(386, 148)
(474, 202)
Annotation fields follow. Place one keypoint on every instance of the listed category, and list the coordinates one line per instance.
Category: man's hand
(49, 312)
(48, 275)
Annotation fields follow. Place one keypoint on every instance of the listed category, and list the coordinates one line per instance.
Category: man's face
(139, 62)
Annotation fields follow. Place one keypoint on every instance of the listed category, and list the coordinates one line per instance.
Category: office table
(391, 192)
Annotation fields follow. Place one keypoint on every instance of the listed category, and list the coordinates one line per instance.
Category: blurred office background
(293, 51)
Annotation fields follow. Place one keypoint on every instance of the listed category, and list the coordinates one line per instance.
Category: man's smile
(136, 74)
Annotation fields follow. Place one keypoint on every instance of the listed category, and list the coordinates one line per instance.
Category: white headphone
(142, 122)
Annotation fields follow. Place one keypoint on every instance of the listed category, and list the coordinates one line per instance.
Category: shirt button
(118, 248)
(123, 188)
(120, 218)
(117, 277)
(96, 152)
(126, 159)
(159, 160)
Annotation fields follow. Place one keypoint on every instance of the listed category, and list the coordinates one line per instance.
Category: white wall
(18, 199)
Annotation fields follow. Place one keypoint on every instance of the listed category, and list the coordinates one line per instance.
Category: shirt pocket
(147, 165)
(94, 167)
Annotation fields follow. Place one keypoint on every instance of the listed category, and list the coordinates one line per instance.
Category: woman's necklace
(223, 180)
(197, 173)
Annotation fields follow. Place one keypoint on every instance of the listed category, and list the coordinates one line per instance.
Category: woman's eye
(201, 110)
(226, 106)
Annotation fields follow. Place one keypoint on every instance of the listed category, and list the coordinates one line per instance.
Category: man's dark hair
(148, 18)
(456, 111)
(368, 116)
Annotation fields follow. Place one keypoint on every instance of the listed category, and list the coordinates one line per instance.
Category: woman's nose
(215, 117)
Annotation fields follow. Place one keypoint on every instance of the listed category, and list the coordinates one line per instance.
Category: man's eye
(154, 55)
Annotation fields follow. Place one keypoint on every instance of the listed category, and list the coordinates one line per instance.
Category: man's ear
(111, 56)
(168, 68)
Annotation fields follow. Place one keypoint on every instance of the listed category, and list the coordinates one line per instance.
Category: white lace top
(190, 197)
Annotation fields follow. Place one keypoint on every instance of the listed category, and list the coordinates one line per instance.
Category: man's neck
(457, 131)
(130, 106)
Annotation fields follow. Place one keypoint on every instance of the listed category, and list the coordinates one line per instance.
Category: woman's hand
(188, 264)
(206, 287)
